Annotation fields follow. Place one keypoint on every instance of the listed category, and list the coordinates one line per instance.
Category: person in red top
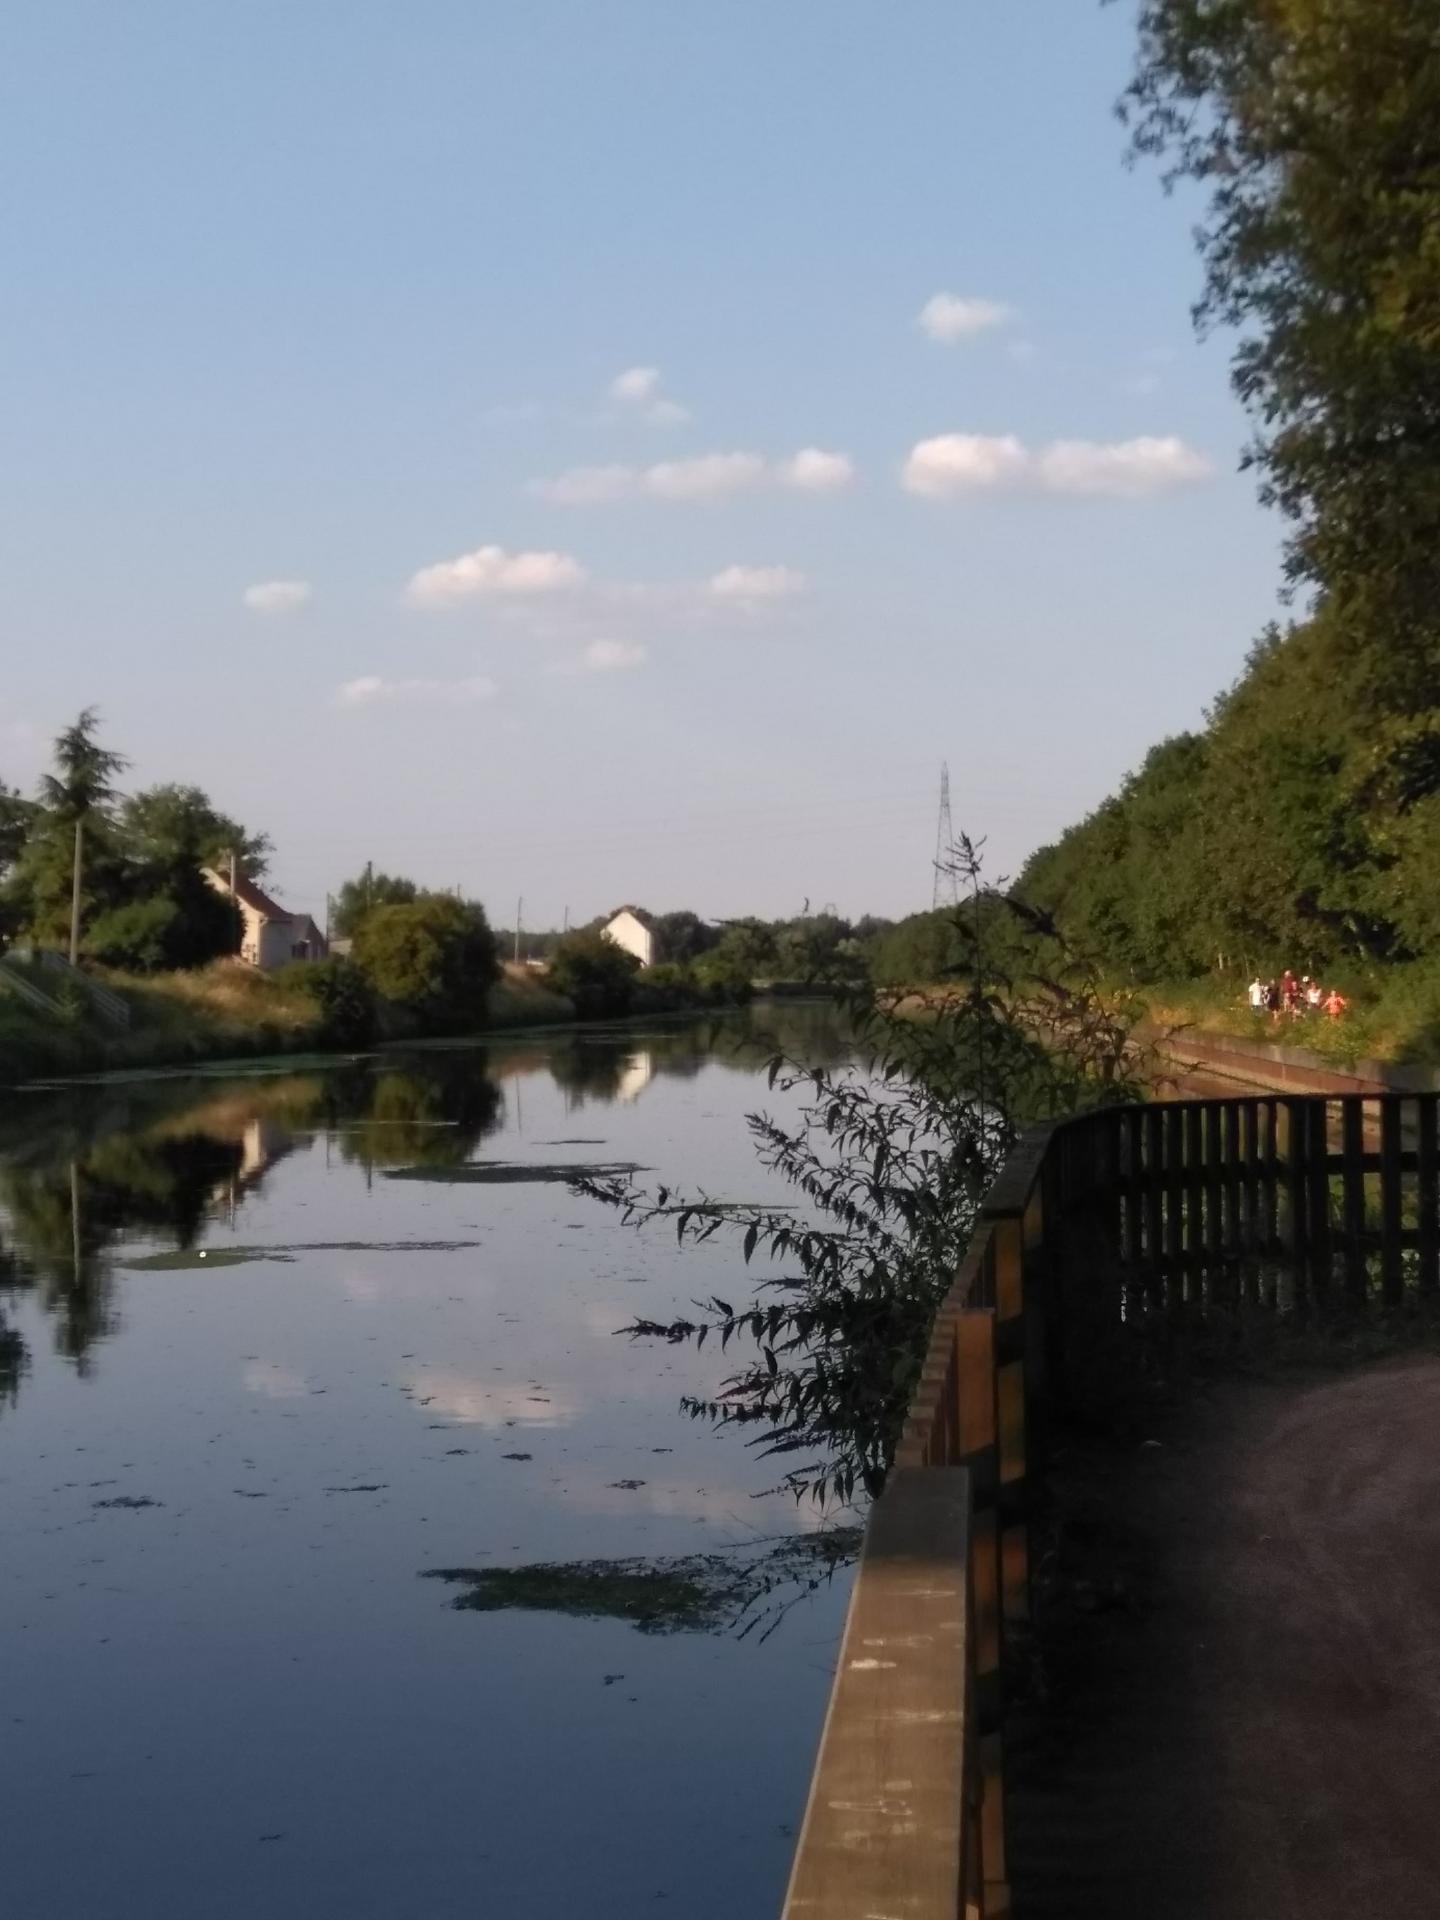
(1335, 1003)
(1289, 989)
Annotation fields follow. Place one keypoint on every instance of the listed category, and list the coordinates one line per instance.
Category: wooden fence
(1261, 1205)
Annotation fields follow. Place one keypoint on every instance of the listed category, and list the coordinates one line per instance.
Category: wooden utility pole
(75, 890)
(519, 909)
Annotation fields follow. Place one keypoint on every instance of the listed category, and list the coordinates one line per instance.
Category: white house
(270, 937)
(634, 930)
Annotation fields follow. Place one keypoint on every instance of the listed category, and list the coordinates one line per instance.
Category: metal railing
(21, 963)
(1142, 1215)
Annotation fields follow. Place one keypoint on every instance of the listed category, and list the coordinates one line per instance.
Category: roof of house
(636, 913)
(249, 895)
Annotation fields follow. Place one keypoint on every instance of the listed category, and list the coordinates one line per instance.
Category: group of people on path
(1295, 997)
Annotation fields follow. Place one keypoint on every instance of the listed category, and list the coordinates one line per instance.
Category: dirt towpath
(1244, 1656)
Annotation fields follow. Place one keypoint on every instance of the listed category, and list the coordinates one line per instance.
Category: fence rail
(1261, 1204)
(22, 964)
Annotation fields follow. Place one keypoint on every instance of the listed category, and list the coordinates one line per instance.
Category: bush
(181, 922)
(136, 937)
(724, 977)
(596, 974)
(434, 957)
(349, 1013)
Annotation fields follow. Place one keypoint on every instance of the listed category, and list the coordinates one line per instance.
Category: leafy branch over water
(891, 1156)
(743, 1591)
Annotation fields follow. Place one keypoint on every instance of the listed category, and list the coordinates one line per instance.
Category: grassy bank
(222, 1012)
(1394, 1014)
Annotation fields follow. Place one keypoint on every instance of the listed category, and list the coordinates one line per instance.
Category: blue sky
(322, 475)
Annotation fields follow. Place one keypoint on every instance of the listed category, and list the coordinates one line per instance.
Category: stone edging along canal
(1261, 1063)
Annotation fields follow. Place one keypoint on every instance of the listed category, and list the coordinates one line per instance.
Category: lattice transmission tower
(947, 885)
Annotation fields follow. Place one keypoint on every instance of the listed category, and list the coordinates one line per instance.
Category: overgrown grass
(1394, 1014)
(220, 1012)
(520, 999)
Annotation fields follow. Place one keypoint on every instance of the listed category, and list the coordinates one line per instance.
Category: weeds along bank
(230, 1011)
(1393, 1014)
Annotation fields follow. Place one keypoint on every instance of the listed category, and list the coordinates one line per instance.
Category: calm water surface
(224, 1688)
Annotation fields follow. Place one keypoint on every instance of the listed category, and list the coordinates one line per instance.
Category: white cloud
(756, 583)
(479, 1404)
(636, 385)
(814, 471)
(706, 476)
(613, 656)
(948, 317)
(588, 486)
(371, 687)
(953, 464)
(492, 571)
(277, 596)
(1124, 470)
(638, 390)
(274, 1381)
(956, 463)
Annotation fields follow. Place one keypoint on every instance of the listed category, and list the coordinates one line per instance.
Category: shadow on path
(1242, 1663)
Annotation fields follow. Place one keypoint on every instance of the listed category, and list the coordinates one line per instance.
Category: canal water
(276, 1346)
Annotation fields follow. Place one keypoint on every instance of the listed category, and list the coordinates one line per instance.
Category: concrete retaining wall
(1262, 1063)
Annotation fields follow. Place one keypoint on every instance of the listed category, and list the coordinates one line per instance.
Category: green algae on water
(183, 1260)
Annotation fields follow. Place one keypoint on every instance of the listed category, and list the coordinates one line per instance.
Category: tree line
(123, 874)
(1301, 823)
(120, 880)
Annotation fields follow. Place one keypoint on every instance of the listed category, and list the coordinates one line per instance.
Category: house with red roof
(271, 936)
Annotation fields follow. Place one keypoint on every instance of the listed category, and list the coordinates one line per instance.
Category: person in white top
(1256, 992)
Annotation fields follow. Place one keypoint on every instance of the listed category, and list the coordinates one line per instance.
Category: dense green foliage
(169, 822)
(144, 903)
(604, 982)
(594, 973)
(1301, 825)
(920, 951)
(434, 956)
(683, 936)
(1314, 128)
(347, 1003)
(363, 894)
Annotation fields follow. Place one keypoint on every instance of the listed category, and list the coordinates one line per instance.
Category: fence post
(1352, 1180)
(1428, 1154)
(1318, 1194)
(1392, 1272)
(1297, 1221)
(980, 1453)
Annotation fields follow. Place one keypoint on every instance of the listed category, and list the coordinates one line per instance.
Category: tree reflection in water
(87, 1168)
(97, 1167)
